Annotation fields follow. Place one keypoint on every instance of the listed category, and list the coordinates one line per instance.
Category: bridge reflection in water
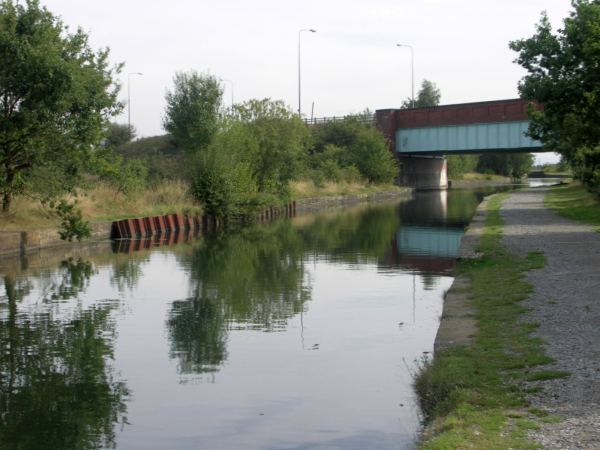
(429, 237)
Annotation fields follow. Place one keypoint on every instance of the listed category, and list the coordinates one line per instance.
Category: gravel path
(566, 304)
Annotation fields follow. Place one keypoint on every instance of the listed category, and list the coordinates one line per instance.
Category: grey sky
(352, 62)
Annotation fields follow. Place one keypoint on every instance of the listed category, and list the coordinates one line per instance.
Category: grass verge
(474, 397)
(575, 202)
(307, 189)
(476, 176)
(103, 203)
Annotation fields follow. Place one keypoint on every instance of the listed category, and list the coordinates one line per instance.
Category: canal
(300, 334)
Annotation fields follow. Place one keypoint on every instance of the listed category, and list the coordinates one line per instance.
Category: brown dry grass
(103, 203)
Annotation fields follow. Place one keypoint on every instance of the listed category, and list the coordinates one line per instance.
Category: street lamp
(229, 81)
(412, 70)
(299, 73)
(129, 99)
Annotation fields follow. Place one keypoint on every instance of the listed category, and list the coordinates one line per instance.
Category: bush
(159, 154)
(513, 165)
(587, 167)
(275, 139)
(220, 182)
(72, 224)
(372, 156)
(458, 165)
(352, 143)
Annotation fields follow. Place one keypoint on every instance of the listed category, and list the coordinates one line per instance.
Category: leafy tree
(221, 182)
(119, 134)
(563, 75)
(72, 224)
(276, 142)
(192, 111)
(513, 165)
(429, 95)
(352, 143)
(458, 165)
(371, 155)
(56, 98)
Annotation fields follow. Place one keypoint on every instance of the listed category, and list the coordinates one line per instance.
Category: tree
(280, 138)
(458, 165)
(513, 165)
(564, 76)
(353, 143)
(56, 98)
(192, 112)
(119, 134)
(429, 95)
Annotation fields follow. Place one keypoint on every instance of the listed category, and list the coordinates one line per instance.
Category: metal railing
(363, 118)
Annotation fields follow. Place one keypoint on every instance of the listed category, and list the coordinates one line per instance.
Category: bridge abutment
(422, 172)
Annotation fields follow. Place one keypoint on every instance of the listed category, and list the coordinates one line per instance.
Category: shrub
(351, 142)
(72, 224)
(220, 182)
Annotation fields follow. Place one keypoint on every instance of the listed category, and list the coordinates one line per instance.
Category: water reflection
(309, 323)
(57, 389)
(256, 279)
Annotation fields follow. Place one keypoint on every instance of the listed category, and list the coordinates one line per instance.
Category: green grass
(307, 189)
(474, 396)
(547, 375)
(575, 202)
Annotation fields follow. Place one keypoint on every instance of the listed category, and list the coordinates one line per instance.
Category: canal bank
(15, 243)
(525, 279)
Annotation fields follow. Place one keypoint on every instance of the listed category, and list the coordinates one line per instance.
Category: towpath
(566, 304)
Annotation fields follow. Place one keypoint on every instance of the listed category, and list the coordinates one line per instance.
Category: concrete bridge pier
(423, 172)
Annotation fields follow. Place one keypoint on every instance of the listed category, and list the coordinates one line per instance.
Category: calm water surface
(302, 334)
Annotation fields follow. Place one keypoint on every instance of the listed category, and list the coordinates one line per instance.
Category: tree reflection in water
(253, 279)
(256, 279)
(57, 387)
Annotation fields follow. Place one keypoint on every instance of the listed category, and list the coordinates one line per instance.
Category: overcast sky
(350, 63)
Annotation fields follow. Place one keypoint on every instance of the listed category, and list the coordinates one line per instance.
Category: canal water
(300, 334)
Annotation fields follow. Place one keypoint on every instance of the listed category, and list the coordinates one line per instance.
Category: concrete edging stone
(457, 324)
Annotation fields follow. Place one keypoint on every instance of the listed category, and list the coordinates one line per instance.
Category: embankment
(15, 243)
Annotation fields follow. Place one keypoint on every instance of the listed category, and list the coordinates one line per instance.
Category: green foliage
(458, 165)
(57, 96)
(221, 182)
(342, 148)
(513, 165)
(371, 155)
(275, 142)
(192, 111)
(563, 76)
(429, 95)
(586, 163)
(124, 176)
(72, 224)
(159, 154)
(119, 134)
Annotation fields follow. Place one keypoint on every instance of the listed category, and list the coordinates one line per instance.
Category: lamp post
(129, 99)
(299, 73)
(412, 70)
(229, 81)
